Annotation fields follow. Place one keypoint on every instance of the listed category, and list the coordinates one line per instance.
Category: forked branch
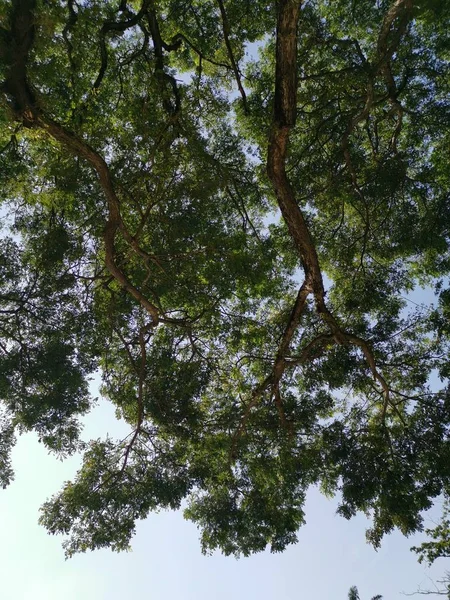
(284, 118)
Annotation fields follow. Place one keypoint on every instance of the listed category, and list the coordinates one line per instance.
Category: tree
(144, 153)
(353, 594)
(438, 544)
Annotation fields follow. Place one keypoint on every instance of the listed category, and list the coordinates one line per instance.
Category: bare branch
(181, 36)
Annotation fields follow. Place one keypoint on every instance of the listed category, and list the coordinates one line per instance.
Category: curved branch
(368, 354)
(401, 11)
(120, 27)
(26, 108)
(319, 341)
(290, 329)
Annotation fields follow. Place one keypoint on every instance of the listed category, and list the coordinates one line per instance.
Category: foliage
(438, 546)
(353, 594)
(147, 151)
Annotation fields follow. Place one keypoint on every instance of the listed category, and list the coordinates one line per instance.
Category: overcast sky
(166, 562)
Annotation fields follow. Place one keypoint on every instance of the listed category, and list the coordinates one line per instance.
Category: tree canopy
(147, 151)
(353, 594)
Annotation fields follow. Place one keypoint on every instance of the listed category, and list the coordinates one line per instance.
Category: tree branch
(284, 118)
(226, 36)
(140, 398)
(120, 27)
(25, 107)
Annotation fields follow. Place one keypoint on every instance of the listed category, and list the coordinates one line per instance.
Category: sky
(166, 562)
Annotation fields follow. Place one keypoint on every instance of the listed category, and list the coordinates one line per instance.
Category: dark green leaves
(117, 484)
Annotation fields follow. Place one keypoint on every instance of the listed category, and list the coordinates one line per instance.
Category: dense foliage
(147, 151)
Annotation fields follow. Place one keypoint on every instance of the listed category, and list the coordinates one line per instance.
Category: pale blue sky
(166, 562)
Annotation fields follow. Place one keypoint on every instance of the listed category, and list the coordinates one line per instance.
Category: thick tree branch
(114, 222)
(400, 12)
(159, 46)
(284, 118)
(290, 329)
(15, 46)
